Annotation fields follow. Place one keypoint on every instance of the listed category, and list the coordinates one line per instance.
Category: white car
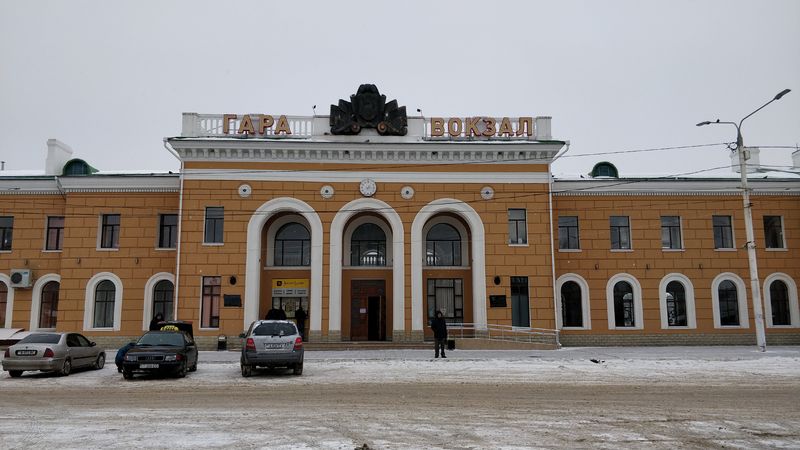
(272, 343)
(52, 352)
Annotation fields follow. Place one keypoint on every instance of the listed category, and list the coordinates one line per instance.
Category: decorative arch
(36, 297)
(253, 265)
(398, 260)
(478, 254)
(148, 297)
(88, 306)
(691, 316)
(638, 311)
(794, 310)
(5, 279)
(741, 297)
(585, 308)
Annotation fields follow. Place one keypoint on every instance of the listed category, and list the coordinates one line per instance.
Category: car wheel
(247, 370)
(15, 373)
(298, 369)
(182, 371)
(100, 362)
(66, 368)
(127, 374)
(194, 367)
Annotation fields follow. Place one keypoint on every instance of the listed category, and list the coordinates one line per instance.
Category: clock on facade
(367, 187)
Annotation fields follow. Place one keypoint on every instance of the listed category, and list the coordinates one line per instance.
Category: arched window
(48, 311)
(604, 169)
(78, 167)
(571, 305)
(104, 295)
(163, 294)
(624, 305)
(3, 302)
(293, 245)
(368, 246)
(676, 304)
(779, 301)
(443, 246)
(728, 304)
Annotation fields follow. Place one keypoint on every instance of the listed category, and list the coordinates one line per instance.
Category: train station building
(371, 220)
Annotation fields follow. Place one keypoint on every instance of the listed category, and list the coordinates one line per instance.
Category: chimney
(796, 159)
(751, 157)
(58, 153)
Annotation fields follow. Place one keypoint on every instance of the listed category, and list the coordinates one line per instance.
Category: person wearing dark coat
(155, 324)
(439, 327)
(300, 317)
(275, 314)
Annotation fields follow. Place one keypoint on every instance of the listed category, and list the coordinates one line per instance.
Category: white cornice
(91, 183)
(368, 151)
(378, 176)
(655, 187)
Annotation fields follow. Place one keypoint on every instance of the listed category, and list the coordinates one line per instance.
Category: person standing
(439, 327)
(300, 317)
(155, 324)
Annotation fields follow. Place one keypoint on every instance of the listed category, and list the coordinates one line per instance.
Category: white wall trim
(585, 305)
(148, 297)
(36, 298)
(794, 310)
(5, 279)
(691, 316)
(321, 176)
(254, 263)
(741, 297)
(478, 262)
(638, 311)
(338, 224)
(88, 306)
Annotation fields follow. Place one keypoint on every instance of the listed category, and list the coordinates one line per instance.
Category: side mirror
(242, 335)
(92, 344)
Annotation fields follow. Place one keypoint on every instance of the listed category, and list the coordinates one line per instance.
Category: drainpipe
(552, 245)
(180, 221)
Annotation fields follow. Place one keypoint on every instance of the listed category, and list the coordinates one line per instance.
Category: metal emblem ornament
(407, 192)
(326, 192)
(487, 192)
(245, 190)
(368, 187)
(368, 108)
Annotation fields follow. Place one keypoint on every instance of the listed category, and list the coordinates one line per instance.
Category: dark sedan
(161, 352)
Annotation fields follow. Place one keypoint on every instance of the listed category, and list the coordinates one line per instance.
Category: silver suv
(272, 343)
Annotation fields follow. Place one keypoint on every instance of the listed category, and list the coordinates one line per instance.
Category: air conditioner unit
(21, 278)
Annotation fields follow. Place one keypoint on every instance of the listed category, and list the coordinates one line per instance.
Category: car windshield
(41, 338)
(162, 338)
(275, 329)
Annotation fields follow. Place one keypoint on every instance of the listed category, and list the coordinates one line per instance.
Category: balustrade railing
(213, 125)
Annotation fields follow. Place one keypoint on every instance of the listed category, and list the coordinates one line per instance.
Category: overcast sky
(112, 78)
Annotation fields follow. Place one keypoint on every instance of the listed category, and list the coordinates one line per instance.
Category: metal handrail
(503, 333)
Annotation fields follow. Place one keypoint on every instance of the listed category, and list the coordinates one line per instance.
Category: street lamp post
(761, 339)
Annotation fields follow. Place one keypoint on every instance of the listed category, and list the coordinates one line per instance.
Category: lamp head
(782, 93)
(703, 123)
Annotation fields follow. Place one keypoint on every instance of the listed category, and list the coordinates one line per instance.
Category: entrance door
(367, 310)
(520, 305)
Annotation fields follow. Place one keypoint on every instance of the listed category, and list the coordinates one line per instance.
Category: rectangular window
(209, 309)
(55, 233)
(671, 232)
(620, 232)
(109, 232)
(568, 235)
(517, 227)
(773, 232)
(446, 295)
(723, 232)
(520, 304)
(167, 230)
(215, 219)
(6, 229)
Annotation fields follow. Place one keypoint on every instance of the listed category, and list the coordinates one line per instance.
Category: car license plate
(148, 366)
(26, 352)
(273, 346)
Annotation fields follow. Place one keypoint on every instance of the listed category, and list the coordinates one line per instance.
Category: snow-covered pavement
(627, 397)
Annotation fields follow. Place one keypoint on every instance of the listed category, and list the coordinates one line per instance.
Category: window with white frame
(773, 232)
(104, 297)
(677, 313)
(723, 232)
(571, 305)
(368, 245)
(728, 304)
(48, 306)
(568, 233)
(671, 232)
(163, 298)
(779, 303)
(443, 245)
(624, 303)
(620, 232)
(624, 311)
(3, 302)
(292, 245)
(214, 225)
(167, 230)
(517, 226)
(109, 230)
(209, 308)
(6, 232)
(54, 239)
